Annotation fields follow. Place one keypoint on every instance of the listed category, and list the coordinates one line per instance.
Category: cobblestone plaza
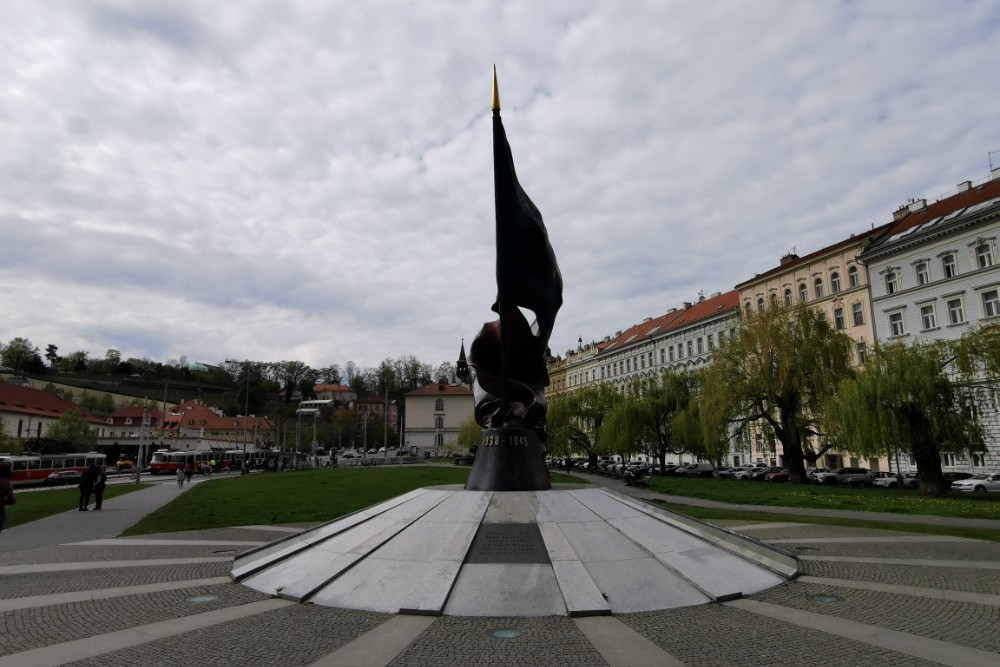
(70, 593)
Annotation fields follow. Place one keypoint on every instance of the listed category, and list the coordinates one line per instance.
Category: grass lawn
(295, 497)
(40, 504)
(894, 501)
(710, 514)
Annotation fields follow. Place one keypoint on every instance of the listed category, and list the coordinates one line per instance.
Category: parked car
(868, 480)
(812, 472)
(702, 469)
(889, 481)
(841, 475)
(759, 474)
(981, 483)
(951, 477)
(780, 475)
(910, 480)
(746, 474)
(63, 478)
(731, 472)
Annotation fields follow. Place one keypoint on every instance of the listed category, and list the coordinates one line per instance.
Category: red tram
(34, 468)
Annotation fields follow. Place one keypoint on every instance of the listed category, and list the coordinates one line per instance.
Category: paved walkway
(72, 593)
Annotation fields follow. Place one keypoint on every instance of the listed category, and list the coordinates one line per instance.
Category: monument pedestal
(509, 459)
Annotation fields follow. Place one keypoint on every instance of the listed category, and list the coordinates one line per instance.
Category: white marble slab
(556, 543)
(597, 540)
(720, 574)
(580, 594)
(604, 505)
(506, 590)
(642, 585)
(562, 507)
(512, 507)
(655, 535)
(390, 585)
(283, 548)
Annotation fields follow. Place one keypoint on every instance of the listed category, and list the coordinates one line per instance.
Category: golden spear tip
(496, 91)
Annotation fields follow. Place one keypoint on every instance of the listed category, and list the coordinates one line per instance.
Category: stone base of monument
(575, 551)
(508, 459)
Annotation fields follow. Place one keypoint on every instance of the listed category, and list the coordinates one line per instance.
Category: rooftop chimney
(687, 304)
(790, 257)
(900, 213)
(918, 205)
(995, 174)
(964, 185)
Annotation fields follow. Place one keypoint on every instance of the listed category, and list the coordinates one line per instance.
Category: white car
(982, 483)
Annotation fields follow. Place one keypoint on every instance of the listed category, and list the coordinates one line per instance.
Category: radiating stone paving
(712, 634)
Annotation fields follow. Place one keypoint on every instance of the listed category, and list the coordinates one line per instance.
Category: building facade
(936, 276)
(434, 415)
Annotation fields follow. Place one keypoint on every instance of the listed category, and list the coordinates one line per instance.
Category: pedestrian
(180, 477)
(87, 482)
(99, 486)
(188, 471)
(6, 491)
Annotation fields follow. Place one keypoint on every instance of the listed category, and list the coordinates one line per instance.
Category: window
(663, 356)
(803, 293)
(896, 324)
(440, 440)
(748, 309)
(701, 345)
(948, 265)
(838, 318)
(690, 347)
(788, 296)
(955, 313)
(852, 276)
(858, 311)
(760, 304)
(923, 273)
(711, 342)
(862, 350)
(834, 282)
(890, 283)
(671, 350)
(439, 422)
(439, 404)
(651, 359)
(927, 317)
(818, 287)
(991, 303)
(984, 256)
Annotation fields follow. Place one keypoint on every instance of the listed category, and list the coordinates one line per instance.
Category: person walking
(87, 482)
(6, 491)
(99, 486)
(188, 471)
(180, 477)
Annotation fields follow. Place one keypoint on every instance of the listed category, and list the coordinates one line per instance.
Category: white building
(935, 275)
(434, 416)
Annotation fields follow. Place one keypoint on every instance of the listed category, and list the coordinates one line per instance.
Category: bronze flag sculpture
(509, 353)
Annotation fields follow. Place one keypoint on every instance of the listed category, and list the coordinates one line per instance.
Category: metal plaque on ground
(508, 543)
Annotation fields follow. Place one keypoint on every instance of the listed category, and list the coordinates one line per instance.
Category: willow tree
(651, 418)
(923, 399)
(777, 373)
(574, 421)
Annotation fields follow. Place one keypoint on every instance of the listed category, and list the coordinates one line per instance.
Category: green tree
(468, 433)
(777, 373)
(574, 421)
(18, 354)
(922, 399)
(649, 419)
(52, 354)
(72, 433)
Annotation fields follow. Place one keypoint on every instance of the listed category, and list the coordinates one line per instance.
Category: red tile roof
(331, 387)
(956, 204)
(25, 400)
(436, 389)
(196, 415)
(673, 320)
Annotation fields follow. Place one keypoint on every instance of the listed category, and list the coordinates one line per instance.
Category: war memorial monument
(508, 544)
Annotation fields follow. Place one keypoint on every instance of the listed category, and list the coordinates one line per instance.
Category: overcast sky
(312, 180)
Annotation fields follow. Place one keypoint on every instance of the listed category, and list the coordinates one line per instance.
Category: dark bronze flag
(527, 273)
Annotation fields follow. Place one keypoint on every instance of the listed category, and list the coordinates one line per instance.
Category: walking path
(72, 593)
